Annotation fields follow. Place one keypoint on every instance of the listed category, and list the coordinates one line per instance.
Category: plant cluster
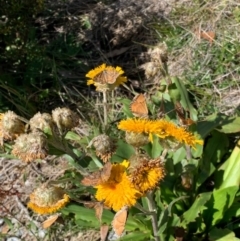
(161, 175)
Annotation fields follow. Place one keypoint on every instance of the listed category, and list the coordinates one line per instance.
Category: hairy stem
(152, 209)
(105, 107)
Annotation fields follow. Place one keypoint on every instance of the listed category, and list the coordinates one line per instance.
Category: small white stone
(41, 233)
(13, 239)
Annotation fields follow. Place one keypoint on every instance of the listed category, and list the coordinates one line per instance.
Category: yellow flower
(161, 128)
(106, 77)
(118, 190)
(46, 200)
(135, 125)
(146, 174)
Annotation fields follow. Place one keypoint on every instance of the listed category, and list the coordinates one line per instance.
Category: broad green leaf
(231, 176)
(197, 152)
(166, 215)
(156, 147)
(212, 122)
(55, 151)
(215, 149)
(219, 203)
(218, 234)
(84, 161)
(158, 195)
(165, 230)
(205, 172)
(126, 109)
(133, 223)
(73, 136)
(137, 235)
(87, 214)
(124, 151)
(174, 92)
(232, 127)
(193, 212)
(167, 186)
(223, 199)
(179, 155)
(213, 153)
(86, 225)
(233, 211)
(8, 222)
(186, 103)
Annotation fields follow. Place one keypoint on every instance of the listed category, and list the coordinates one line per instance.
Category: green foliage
(30, 64)
(200, 190)
(200, 212)
(222, 235)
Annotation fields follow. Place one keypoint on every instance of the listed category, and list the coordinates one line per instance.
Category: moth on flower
(106, 78)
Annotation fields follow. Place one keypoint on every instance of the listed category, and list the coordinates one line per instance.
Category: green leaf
(211, 122)
(87, 214)
(126, 107)
(84, 224)
(216, 149)
(174, 92)
(179, 155)
(232, 126)
(133, 223)
(193, 212)
(166, 229)
(231, 169)
(167, 214)
(186, 103)
(219, 203)
(124, 151)
(233, 211)
(156, 147)
(8, 222)
(197, 152)
(137, 235)
(213, 153)
(223, 199)
(73, 136)
(218, 234)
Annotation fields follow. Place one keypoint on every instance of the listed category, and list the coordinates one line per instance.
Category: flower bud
(10, 125)
(41, 121)
(104, 146)
(136, 139)
(29, 147)
(65, 119)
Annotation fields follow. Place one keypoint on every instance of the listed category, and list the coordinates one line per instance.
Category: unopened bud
(29, 147)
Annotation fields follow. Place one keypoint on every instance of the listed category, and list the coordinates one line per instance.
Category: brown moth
(139, 106)
(99, 176)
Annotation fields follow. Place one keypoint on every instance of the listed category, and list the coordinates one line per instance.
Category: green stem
(152, 209)
(105, 107)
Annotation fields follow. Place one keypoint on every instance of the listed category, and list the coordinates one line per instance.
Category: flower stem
(152, 209)
(105, 107)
